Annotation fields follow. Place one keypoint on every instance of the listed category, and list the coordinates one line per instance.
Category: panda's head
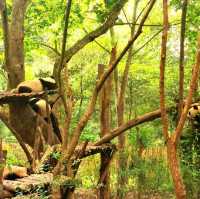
(36, 85)
(48, 83)
(194, 111)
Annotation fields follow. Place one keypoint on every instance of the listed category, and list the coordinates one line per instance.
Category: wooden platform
(10, 97)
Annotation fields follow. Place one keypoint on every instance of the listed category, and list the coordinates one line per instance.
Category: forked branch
(86, 116)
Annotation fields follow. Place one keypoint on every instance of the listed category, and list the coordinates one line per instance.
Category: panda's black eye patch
(24, 89)
(195, 107)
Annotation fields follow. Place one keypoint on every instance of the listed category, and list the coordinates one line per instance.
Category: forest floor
(88, 173)
(86, 194)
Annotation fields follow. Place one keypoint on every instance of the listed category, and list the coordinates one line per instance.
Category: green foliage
(190, 153)
(44, 25)
(15, 157)
(151, 178)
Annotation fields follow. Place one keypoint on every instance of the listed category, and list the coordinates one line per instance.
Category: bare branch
(127, 21)
(147, 25)
(193, 83)
(143, 10)
(130, 124)
(58, 76)
(136, 35)
(96, 33)
(86, 116)
(150, 39)
(90, 108)
(66, 19)
(99, 44)
(51, 48)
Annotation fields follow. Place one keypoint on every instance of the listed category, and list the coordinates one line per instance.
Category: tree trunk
(2, 165)
(122, 164)
(19, 113)
(181, 59)
(175, 170)
(16, 70)
(105, 94)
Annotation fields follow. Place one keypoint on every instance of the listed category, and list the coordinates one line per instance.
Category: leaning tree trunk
(173, 140)
(122, 161)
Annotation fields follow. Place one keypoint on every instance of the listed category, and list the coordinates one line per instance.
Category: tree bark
(162, 70)
(175, 170)
(5, 25)
(172, 141)
(2, 165)
(20, 116)
(105, 95)
(94, 34)
(122, 161)
(181, 59)
(16, 42)
(131, 123)
(90, 108)
(104, 192)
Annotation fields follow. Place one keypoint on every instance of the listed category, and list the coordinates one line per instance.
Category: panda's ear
(195, 107)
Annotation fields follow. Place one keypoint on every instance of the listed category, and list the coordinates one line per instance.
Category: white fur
(49, 79)
(194, 112)
(43, 108)
(35, 85)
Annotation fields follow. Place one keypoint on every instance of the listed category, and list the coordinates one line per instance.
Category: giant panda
(194, 114)
(40, 107)
(14, 172)
(194, 111)
(36, 85)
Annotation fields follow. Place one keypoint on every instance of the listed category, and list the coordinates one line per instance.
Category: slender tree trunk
(171, 145)
(173, 140)
(122, 162)
(105, 98)
(181, 59)
(65, 158)
(104, 192)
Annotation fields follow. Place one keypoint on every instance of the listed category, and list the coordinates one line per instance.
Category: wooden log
(26, 184)
(16, 170)
(48, 159)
